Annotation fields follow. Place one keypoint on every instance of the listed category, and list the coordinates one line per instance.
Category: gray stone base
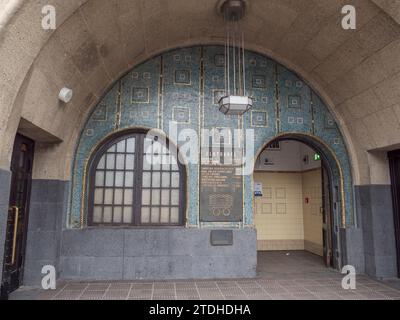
(47, 206)
(153, 254)
(5, 180)
(375, 216)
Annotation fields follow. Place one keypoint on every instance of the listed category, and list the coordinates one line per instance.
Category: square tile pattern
(295, 275)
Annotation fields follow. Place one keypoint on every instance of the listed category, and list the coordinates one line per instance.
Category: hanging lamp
(235, 101)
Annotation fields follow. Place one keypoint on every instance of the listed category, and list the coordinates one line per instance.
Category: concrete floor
(292, 275)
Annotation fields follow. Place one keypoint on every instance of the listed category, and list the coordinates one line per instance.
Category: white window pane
(146, 197)
(111, 161)
(130, 145)
(156, 180)
(98, 196)
(175, 180)
(118, 193)
(175, 197)
(146, 162)
(129, 179)
(155, 197)
(101, 163)
(117, 214)
(120, 161)
(119, 179)
(174, 215)
(165, 197)
(164, 215)
(174, 164)
(108, 197)
(128, 198)
(109, 179)
(147, 145)
(157, 147)
(127, 215)
(166, 166)
(97, 213)
(145, 216)
(156, 163)
(130, 162)
(121, 146)
(155, 215)
(166, 180)
(112, 148)
(107, 217)
(146, 179)
(99, 179)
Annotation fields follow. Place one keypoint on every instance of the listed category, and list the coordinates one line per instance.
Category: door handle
(14, 245)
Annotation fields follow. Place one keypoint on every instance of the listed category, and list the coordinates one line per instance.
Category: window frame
(139, 135)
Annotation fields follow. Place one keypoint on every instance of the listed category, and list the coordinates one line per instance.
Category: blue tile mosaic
(181, 89)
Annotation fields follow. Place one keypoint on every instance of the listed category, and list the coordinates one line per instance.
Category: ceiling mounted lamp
(235, 101)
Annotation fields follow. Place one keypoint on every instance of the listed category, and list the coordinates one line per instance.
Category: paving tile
(286, 296)
(297, 276)
(242, 297)
(68, 295)
(390, 293)
(92, 295)
(98, 286)
(304, 296)
(120, 286)
(116, 294)
(142, 286)
(206, 285)
(164, 297)
(254, 291)
(76, 286)
(164, 285)
(280, 290)
(328, 296)
(47, 295)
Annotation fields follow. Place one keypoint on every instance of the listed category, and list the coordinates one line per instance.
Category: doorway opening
(17, 222)
(293, 201)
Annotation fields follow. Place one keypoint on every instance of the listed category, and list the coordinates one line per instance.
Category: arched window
(136, 180)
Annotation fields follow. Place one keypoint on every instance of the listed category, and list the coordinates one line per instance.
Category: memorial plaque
(221, 194)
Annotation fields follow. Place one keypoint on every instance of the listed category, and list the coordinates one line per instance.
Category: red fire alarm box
(307, 200)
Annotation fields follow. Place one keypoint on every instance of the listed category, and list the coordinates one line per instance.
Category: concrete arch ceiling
(356, 72)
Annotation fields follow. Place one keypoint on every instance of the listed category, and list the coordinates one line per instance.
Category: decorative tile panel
(168, 89)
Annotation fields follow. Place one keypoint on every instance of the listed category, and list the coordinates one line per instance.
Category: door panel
(331, 221)
(17, 222)
(327, 219)
(394, 161)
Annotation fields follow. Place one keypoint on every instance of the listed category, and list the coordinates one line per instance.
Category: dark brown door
(394, 161)
(327, 220)
(16, 232)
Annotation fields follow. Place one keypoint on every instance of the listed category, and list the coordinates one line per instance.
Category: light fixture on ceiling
(235, 101)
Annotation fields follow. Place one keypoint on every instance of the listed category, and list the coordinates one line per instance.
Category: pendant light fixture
(235, 101)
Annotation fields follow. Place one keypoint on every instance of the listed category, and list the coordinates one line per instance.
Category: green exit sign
(317, 157)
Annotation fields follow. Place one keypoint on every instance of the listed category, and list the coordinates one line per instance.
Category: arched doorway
(298, 198)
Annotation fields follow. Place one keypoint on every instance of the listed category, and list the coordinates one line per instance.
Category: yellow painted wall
(282, 219)
(312, 188)
(279, 212)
